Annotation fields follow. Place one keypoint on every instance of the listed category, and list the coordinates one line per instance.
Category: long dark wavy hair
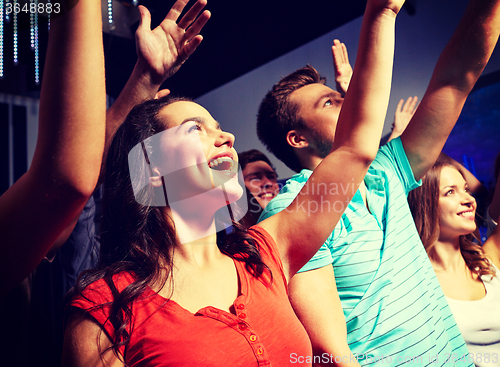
(424, 206)
(137, 238)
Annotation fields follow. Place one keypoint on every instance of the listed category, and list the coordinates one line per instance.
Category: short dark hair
(253, 155)
(277, 115)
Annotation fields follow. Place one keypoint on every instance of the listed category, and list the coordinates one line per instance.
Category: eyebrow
(454, 186)
(450, 186)
(200, 120)
(261, 172)
(331, 94)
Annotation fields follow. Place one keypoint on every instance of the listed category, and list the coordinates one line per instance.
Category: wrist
(146, 78)
(385, 11)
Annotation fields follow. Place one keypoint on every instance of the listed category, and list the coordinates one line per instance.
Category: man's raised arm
(457, 70)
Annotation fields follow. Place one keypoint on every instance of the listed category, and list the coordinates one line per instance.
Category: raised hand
(403, 114)
(342, 67)
(163, 50)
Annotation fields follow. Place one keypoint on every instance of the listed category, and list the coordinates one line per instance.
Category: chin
(229, 185)
(263, 202)
(471, 230)
(234, 193)
(466, 231)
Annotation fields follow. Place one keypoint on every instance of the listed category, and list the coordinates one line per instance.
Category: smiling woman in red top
(171, 288)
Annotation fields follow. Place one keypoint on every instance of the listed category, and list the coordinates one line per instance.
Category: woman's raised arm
(69, 149)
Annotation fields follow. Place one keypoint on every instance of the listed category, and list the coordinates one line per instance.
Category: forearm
(139, 87)
(494, 208)
(475, 186)
(336, 357)
(365, 106)
(314, 297)
(355, 145)
(458, 68)
(36, 209)
(491, 247)
(335, 352)
(469, 49)
(461, 63)
(394, 135)
(331, 348)
(72, 102)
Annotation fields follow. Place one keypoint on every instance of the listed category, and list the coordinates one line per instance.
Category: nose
(225, 138)
(268, 182)
(265, 183)
(468, 199)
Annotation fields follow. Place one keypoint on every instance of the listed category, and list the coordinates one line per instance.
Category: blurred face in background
(261, 180)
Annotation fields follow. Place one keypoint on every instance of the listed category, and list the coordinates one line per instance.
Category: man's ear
(155, 178)
(296, 139)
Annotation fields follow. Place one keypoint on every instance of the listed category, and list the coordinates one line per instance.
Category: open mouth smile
(469, 214)
(267, 195)
(221, 164)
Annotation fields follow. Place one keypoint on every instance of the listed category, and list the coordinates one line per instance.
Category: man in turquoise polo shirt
(380, 302)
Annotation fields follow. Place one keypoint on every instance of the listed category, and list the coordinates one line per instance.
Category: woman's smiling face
(193, 156)
(457, 207)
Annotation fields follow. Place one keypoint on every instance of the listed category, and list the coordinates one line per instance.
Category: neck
(192, 223)
(447, 255)
(196, 243)
(199, 252)
(307, 158)
(310, 162)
